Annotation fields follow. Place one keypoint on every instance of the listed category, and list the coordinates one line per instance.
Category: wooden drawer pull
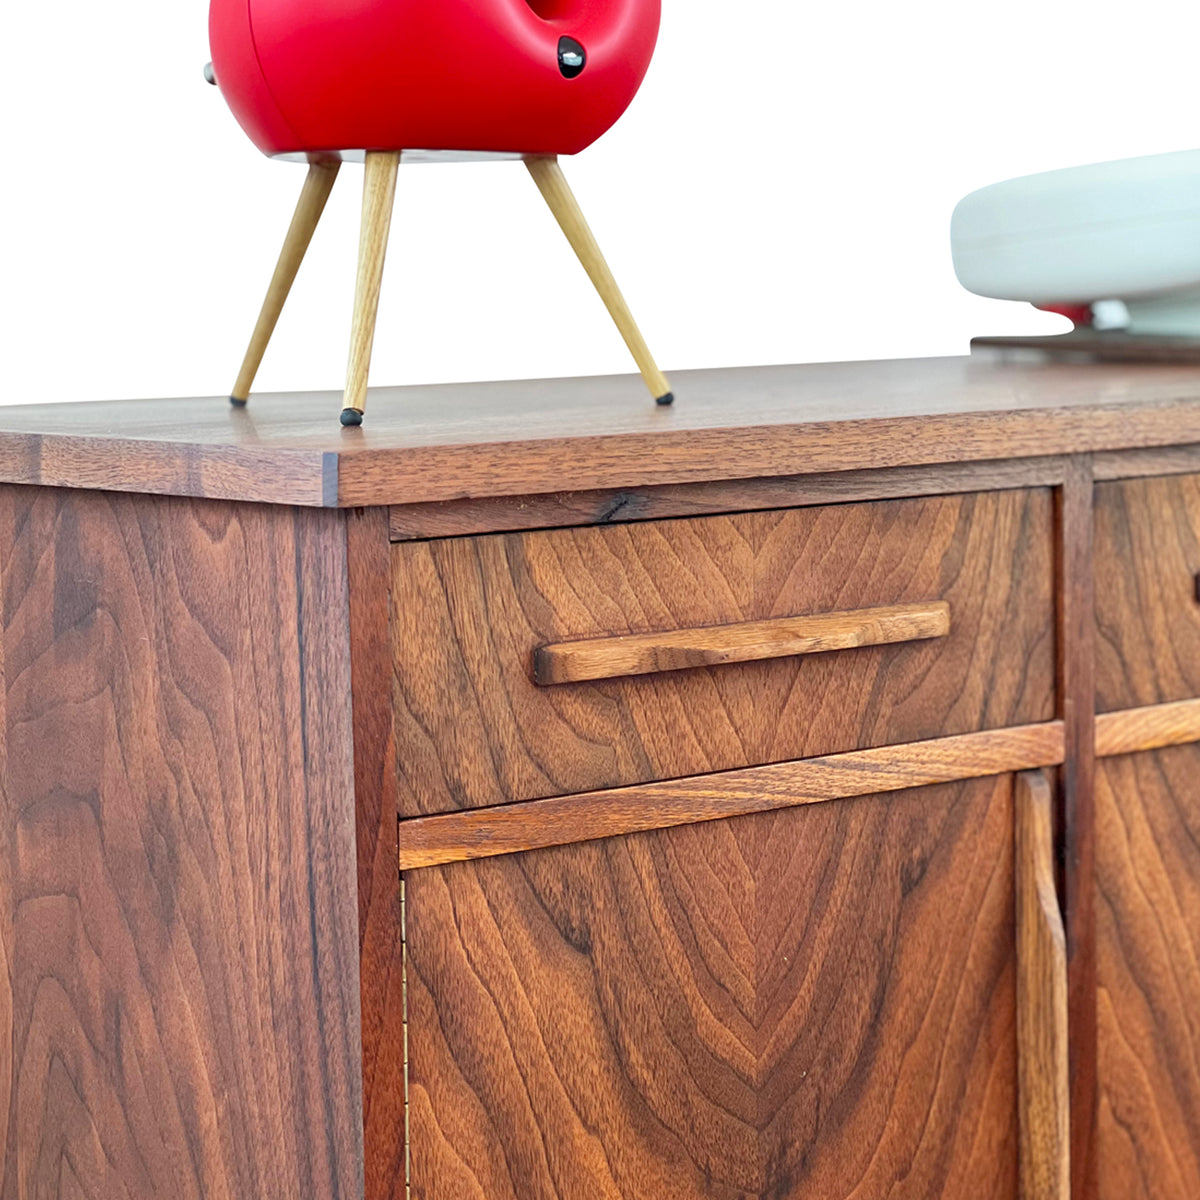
(646, 653)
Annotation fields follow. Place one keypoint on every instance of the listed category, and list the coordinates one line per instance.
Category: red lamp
(331, 80)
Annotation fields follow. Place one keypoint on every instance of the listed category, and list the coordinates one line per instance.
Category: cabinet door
(806, 1004)
(1147, 614)
(1148, 962)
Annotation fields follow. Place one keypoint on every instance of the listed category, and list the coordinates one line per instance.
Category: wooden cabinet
(534, 795)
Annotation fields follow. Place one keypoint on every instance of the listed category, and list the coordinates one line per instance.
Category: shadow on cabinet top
(449, 441)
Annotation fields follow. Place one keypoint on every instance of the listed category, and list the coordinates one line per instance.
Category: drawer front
(811, 1004)
(473, 618)
(1147, 615)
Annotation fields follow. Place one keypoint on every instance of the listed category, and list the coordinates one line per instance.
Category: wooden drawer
(1148, 998)
(1147, 615)
(470, 614)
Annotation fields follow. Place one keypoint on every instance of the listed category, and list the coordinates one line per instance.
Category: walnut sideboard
(539, 795)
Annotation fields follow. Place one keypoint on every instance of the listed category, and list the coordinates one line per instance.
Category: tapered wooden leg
(547, 174)
(379, 195)
(317, 186)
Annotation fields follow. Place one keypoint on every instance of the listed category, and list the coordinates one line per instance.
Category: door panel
(1148, 963)
(815, 1002)
(1147, 609)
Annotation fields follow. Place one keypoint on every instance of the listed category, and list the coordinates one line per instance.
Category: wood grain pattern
(769, 421)
(1148, 933)
(809, 1004)
(557, 510)
(1076, 693)
(1147, 616)
(380, 912)
(450, 441)
(134, 460)
(1044, 1091)
(178, 970)
(1149, 728)
(473, 729)
(746, 641)
(559, 820)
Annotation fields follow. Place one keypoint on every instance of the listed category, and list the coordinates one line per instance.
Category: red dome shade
(522, 76)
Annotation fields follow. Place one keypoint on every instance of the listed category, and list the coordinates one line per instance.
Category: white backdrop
(779, 191)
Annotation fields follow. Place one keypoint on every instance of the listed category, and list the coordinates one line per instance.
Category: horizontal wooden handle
(647, 653)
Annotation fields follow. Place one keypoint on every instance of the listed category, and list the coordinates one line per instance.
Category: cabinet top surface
(447, 441)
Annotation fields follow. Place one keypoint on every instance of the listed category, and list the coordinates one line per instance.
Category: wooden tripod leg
(379, 195)
(551, 182)
(317, 186)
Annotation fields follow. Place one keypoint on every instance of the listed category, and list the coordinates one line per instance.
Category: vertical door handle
(1043, 1092)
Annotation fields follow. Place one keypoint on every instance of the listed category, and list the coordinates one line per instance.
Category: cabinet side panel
(178, 934)
(810, 1004)
(1148, 962)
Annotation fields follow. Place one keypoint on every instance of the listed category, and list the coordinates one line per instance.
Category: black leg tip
(236, 402)
(669, 398)
(351, 416)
